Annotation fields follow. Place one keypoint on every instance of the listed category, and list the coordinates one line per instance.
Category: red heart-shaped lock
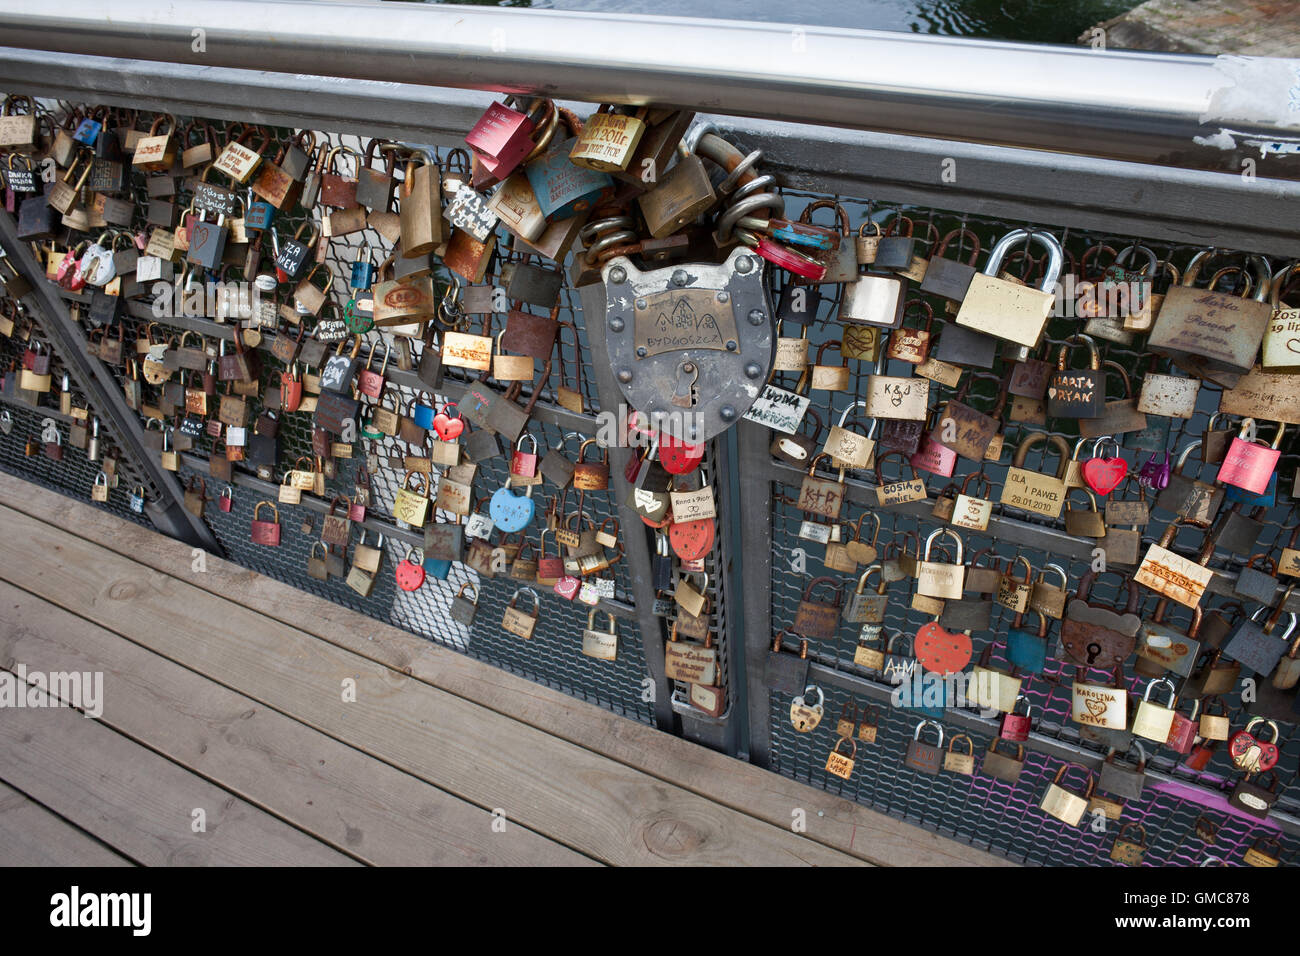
(567, 587)
(940, 650)
(410, 575)
(447, 427)
(678, 457)
(691, 539)
(1252, 754)
(1104, 475)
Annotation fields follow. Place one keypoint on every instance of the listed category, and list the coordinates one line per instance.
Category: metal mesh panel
(986, 812)
(553, 656)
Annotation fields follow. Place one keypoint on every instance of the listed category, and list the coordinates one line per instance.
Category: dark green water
(1036, 21)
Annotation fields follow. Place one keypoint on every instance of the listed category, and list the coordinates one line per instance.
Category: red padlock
(1016, 727)
(410, 573)
(940, 650)
(1250, 465)
(1251, 754)
(691, 540)
(448, 428)
(1201, 755)
(567, 587)
(679, 457)
(1104, 475)
(227, 500)
(290, 389)
(523, 463)
(1184, 730)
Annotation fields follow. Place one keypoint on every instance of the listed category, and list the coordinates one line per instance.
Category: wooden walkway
(225, 737)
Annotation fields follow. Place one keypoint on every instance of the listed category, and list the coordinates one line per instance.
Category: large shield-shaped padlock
(692, 344)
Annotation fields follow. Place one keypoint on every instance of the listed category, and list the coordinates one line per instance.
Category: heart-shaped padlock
(410, 571)
(567, 587)
(691, 540)
(1251, 754)
(803, 717)
(679, 457)
(447, 427)
(1104, 475)
(511, 512)
(941, 650)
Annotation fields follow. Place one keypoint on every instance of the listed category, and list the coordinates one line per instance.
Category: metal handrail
(1145, 107)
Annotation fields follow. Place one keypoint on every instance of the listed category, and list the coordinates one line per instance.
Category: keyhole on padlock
(684, 394)
(1094, 651)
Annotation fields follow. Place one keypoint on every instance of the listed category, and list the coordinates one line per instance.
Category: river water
(1033, 21)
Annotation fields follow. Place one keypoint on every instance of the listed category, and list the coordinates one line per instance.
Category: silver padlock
(92, 446)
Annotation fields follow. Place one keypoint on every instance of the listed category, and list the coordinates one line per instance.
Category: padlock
(1248, 464)
(1191, 499)
(1153, 720)
(1256, 648)
(924, 757)
(1049, 599)
(1067, 805)
(1016, 727)
(369, 557)
(1258, 586)
(463, 609)
(1192, 321)
(1264, 852)
(839, 764)
(994, 688)
(1237, 532)
(1084, 522)
(889, 493)
(1184, 730)
(787, 672)
(805, 717)
(1002, 767)
(866, 655)
(939, 580)
(1077, 393)
(1251, 754)
(1254, 798)
(1026, 650)
(1213, 676)
(1033, 492)
(1008, 310)
(948, 278)
(1214, 726)
(1097, 636)
(1161, 647)
(1101, 706)
(1128, 850)
(1122, 779)
(818, 620)
(962, 763)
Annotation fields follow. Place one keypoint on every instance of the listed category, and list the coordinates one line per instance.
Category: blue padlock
(259, 215)
(1027, 650)
(563, 189)
(511, 512)
(87, 132)
(422, 415)
(437, 568)
(1233, 495)
(363, 270)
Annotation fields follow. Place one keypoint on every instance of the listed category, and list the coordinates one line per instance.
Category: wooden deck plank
(30, 835)
(139, 803)
(340, 795)
(600, 807)
(832, 820)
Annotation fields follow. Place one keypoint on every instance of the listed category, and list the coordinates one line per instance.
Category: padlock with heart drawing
(1104, 475)
(1249, 752)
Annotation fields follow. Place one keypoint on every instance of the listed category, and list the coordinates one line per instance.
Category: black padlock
(787, 671)
(1077, 393)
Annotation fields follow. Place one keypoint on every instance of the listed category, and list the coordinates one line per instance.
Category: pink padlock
(1250, 464)
(567, 587)
(935, 458)
(1016, 727)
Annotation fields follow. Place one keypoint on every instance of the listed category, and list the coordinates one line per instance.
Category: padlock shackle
(1055, 255)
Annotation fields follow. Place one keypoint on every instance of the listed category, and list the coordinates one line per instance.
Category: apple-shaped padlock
(410, 571)
(940, 650)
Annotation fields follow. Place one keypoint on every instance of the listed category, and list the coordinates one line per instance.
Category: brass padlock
(1066, 805)
(1007, 310)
